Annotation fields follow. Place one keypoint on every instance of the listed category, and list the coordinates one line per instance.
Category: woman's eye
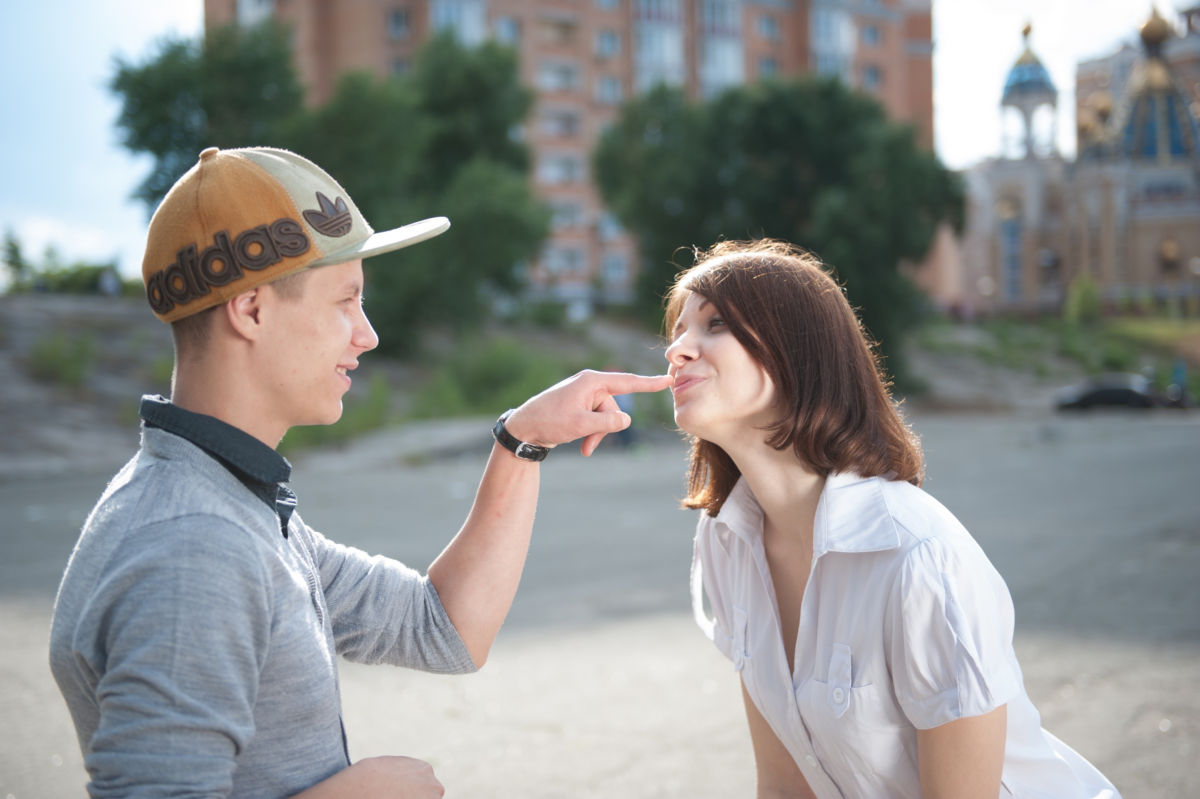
(715, 322)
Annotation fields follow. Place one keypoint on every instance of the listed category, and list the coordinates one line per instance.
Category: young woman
(872, 635)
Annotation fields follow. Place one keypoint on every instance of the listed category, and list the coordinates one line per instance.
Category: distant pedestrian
(199, 622)
(872, 636)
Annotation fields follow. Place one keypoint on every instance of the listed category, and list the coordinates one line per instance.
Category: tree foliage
(232, 89)
(808, 161)
(437, 142)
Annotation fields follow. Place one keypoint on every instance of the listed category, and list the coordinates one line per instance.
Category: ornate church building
(1125, 213)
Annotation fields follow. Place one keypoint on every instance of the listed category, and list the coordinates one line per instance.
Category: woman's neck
(786, 488)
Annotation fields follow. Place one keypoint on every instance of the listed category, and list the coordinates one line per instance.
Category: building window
(768, 27)
(508, 30)
(722, 56)
(608, 90)
(832, 40)
(466, 19)
(616, 268)
(399, 66)
(721, 17)
(558, 76)
(560, 169)
(658, 43)
(870, 35)
(566, 214)
(721, 64)
(563, 260)
(872, 77)
(252, 12)
(608, 43)
(608, 228)
(767, 68)
(1010, 258)
(560, 123)
(558, 31)
(398, 23)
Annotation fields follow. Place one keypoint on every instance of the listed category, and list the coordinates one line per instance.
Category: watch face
(530, 452)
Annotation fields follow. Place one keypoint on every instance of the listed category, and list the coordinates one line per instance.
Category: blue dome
(1028, 77)
(1159, 127)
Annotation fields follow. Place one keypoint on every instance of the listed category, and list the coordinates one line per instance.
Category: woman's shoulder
(919, 515)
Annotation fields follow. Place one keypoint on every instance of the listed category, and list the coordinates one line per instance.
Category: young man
(198, 623)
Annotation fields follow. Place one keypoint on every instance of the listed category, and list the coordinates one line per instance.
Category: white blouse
(905, 625)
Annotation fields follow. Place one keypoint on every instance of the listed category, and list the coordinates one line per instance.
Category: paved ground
(601, 687)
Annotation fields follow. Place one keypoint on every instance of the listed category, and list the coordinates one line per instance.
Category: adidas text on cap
(240, 218)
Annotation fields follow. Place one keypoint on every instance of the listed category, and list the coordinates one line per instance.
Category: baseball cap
(243, 217)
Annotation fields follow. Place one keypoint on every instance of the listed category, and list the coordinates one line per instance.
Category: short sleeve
(951, 629)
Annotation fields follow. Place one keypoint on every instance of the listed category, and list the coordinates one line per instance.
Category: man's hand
(582, 406)
(379, 778)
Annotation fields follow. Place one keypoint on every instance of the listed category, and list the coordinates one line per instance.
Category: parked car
(1112, 390)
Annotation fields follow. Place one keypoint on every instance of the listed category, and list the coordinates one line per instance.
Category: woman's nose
(680, 350)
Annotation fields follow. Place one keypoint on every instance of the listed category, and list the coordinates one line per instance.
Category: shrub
(1082, 305)
(487, 376)
(62, 359)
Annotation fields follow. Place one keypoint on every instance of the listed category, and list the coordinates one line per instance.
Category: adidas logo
(193, 273)
(333, 219)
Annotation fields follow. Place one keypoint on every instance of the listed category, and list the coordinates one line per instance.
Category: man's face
(313, 343)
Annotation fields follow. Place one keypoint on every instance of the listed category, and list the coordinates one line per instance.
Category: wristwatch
(522, 449)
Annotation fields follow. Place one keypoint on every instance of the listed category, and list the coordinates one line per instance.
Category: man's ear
(244, 313)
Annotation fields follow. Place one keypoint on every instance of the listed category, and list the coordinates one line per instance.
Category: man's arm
(476, 576)
(379, 778)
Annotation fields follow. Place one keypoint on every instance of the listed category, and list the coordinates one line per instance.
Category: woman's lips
(683, 383)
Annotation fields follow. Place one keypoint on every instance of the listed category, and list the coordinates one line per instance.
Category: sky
(66, 181)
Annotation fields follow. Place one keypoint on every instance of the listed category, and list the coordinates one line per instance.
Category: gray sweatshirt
(196, 646)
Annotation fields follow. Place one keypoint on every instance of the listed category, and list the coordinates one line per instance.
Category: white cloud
(73, 240)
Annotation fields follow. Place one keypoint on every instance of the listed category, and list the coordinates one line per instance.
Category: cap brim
(388, 240)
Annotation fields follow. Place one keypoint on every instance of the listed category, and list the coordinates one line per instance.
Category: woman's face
(720, 392)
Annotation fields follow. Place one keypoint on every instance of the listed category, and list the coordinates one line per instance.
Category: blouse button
(812, 761)
(839, 695)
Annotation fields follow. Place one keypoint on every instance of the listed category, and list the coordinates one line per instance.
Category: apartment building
(584, 58)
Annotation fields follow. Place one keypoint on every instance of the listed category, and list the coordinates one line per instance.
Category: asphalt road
(600, 686)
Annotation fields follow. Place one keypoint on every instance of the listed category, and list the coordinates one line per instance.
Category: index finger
(625, 382)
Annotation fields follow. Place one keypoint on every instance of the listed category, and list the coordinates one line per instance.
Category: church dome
(1028, 77)
(1158, 123)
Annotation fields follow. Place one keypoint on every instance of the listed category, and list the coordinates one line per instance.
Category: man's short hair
(191, 334)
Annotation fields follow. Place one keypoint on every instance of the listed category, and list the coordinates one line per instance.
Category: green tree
(808, 161)
(234, 88)
(14, 257)
(438, 142)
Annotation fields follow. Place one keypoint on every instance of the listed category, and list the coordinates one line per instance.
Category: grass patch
(483, 375)
(1148, 345)
(1160, 333)
(62, 359)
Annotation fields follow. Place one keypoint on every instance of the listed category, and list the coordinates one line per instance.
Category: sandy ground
(600, 685)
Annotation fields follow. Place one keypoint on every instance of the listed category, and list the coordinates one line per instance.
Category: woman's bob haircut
(836, 412)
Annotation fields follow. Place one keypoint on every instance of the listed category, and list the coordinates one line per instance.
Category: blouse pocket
(839, 683)
(856, 730)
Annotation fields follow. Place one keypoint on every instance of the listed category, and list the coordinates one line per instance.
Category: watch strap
(522, 449)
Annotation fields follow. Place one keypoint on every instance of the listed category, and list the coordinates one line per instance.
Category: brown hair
(794, 319)
(192, 333)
